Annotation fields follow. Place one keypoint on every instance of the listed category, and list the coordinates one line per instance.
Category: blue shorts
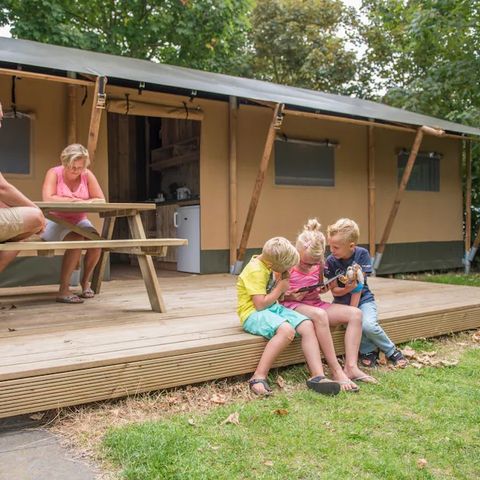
(266, 322)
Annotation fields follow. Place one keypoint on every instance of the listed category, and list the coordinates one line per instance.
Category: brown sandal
(261, 381)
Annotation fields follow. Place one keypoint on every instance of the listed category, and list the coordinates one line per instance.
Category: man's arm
(11, 196)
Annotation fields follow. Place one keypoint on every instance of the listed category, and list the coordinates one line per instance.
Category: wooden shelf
(175, 161)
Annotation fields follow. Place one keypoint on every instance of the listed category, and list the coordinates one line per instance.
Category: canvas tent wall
(429, 225)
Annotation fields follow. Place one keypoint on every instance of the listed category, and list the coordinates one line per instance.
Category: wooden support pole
(371, 189)
(72, 114)
(401, 189)
(232, 155)
(98, 106)
(474, 248)
(257, 189)
(468, 203)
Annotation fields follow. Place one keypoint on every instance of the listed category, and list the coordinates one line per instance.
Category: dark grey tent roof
(28, 53)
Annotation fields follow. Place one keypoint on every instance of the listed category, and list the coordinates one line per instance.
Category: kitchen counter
(181, 203)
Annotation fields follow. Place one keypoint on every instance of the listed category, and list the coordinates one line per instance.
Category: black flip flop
(323, 385)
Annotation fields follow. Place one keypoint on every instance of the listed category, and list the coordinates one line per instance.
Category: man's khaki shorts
(11, 223)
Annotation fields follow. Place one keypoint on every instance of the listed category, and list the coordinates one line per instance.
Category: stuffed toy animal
(353, 273)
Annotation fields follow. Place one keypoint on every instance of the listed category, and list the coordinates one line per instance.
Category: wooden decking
(56, 355)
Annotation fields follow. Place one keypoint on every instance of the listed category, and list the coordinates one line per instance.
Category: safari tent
(254, 158)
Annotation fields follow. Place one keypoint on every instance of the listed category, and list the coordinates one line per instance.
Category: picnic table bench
(137, 245)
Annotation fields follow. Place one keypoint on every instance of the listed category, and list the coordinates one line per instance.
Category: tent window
(299, 162)
(15, 146)
(425, 176)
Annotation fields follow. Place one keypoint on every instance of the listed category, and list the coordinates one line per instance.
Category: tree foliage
(202, 34)
(304, 43)
(426, 55)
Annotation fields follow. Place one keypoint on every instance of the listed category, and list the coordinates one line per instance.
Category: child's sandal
(261, 381)
(368, 360)
(398, 359)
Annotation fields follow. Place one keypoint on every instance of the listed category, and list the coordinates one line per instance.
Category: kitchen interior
(156, 159)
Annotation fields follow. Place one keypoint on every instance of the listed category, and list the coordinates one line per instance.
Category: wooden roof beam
(43, 76)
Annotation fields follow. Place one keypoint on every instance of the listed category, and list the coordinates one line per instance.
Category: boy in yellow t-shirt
(261, 314)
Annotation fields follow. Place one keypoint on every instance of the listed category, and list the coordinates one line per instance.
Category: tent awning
(27, 53)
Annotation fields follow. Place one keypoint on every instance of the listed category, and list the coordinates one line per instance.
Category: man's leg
(22, 222)
(33, 222)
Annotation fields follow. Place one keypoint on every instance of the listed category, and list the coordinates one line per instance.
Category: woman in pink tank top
(72, 182)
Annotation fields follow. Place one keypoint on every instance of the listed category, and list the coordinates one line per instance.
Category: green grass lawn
(471, 280)
(380, 433)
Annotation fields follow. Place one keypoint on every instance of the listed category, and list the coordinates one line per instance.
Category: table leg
(147, 268)
(99, 272)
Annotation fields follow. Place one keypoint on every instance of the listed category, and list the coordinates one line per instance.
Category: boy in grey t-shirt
(342, 238)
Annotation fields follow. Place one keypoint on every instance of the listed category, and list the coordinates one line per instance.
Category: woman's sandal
(261, 381)
(69, 299)
(87, 293)
(323, 385)
(368, 360)
(398, 359)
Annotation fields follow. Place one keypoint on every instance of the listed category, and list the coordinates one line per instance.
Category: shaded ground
(29, 451)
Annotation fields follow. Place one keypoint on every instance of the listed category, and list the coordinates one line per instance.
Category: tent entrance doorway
(153, 159)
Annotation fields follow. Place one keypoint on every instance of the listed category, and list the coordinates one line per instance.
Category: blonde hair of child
(73, 152)
(312, 240)
(346, 228)
(280, 253)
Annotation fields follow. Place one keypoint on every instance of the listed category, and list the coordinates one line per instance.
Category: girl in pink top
(72, 182)
(309, 271)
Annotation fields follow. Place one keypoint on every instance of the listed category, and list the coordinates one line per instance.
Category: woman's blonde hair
(346, 228)
(312, 240)
(73, 152)
(280, 253)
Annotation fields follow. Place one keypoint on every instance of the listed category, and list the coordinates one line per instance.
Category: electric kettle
(183, 193)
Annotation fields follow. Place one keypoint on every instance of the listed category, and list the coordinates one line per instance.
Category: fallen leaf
(268, 463)
(409, 352)
(416, 365)
(12, 329)
(382, 359)
(280, 382)
(476, 337)
(449, 363)
(281, 411)
(421, 463)
(214, 447)
(172, 399)
(232, 418)
(13, 307)
(191, 422)
(220, 399)
(429, 354)
(37, 416)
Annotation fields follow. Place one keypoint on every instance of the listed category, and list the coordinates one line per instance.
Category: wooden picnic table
(110, 212)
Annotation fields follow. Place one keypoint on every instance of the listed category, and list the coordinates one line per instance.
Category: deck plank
(113, 345)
